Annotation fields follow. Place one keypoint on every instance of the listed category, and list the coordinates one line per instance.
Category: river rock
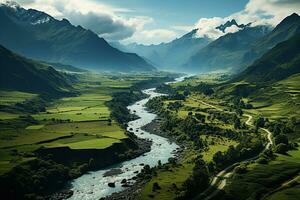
(124, 181)
(113, 172)
(111, 185)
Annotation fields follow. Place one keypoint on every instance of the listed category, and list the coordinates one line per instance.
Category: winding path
(219, 181)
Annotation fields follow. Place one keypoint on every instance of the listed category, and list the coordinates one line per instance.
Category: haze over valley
(108, 99)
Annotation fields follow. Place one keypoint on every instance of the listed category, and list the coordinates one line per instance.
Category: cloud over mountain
(258, 12)
(100, 18)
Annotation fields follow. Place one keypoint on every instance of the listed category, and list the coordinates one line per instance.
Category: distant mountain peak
(11, 4)
(30, 16)
(290, 19)
(35, 34)
(230, 23)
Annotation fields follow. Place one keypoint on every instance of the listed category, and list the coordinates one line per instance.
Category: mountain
(170, 55)
(37, 35)
(19, 73)
(277, 64)
(286, 29)
(227, 52)
(65, 68)
(228, 24)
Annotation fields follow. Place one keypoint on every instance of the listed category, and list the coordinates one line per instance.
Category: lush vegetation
(37, 130)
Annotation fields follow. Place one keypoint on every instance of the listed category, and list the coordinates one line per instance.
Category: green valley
(149, 100)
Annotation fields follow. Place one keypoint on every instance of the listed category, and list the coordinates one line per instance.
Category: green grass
(88, 114)
(10, 98)
(262, 178)
(13, 97)
(166, 178)
(282, 100)
(292, 193)
(34, 127)
(216, 144)
(93, 143)
(41, 133)
(6, 115)
(89, 106)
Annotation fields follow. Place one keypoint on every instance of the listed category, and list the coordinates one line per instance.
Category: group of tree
(244, 150)
(118, 105)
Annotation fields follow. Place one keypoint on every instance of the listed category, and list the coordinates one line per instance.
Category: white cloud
(271, 11)
(207, 27)
(100, 18)
(109, 22)
(258, 12)
(153, 36)
(182, 28)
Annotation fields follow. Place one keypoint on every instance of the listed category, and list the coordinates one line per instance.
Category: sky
(156, 21)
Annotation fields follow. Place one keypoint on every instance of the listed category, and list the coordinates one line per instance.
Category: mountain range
(231, 23)
(169, 55)
(37, 35)
(226, 52)
(231, 52)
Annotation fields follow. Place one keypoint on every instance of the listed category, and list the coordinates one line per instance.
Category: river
(94, 185)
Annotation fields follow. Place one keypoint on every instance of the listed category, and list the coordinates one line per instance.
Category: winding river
(94, 185)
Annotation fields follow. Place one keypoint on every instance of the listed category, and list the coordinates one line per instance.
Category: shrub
(281, 139)
(155, 187)
(281, 148)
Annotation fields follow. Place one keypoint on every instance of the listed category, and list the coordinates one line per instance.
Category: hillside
(226, 53)
(286, 29)
(279, 63)
(18, 73)
(37, 35)
(173, 54)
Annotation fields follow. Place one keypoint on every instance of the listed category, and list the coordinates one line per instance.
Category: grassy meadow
(77, 122)
(265, 178)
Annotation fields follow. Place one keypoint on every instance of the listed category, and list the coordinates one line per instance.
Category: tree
(239, 112)
(260, 122)
(186, 93)
(109, 122)
(281, 148)
(155, 187)
(281, 139)
(200, 117)
(237, 123)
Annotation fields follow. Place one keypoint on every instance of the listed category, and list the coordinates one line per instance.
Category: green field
(167, 178)
(10, 98)
(78, 122)
(13, 97)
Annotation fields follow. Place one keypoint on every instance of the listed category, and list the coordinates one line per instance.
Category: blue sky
(156, 21)
(178, 12)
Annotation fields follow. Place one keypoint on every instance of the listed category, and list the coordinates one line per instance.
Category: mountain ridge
(37, 35)
(22, 74)
(280, 62)
(170, 55)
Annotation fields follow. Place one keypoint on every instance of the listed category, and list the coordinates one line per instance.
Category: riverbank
(108, 159)
(132, 191)
(97, 184)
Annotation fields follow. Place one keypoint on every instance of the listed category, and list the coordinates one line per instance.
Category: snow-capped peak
(11, 4)
(41, 21)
